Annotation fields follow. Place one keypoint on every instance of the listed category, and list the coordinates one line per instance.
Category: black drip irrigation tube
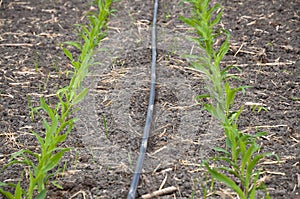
(139, 165)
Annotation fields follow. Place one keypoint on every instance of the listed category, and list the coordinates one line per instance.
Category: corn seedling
(167, 12)
(58, 121)
(29, 104)
(258, 107)
(55, 66)
(105, 126)
(294, 98)
(46, 82)
(241, 155)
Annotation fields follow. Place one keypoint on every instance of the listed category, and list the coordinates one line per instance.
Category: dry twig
(79, 192)
(164, 191)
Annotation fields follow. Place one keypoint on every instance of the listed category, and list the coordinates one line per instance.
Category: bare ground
(264, 45)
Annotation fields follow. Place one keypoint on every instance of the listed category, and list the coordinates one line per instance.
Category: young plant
(241, 156)
(58, 121)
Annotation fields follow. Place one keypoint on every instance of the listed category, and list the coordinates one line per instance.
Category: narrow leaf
(18, 191)
(41, 195)
(54, 160)
(217, 19)
(68, 54)
(39, 138)
(230, 183)
(80, 96)
(75, 44)
(219, 149)
(7, 194)
(46, 108)
(203, 96)
(56, 184)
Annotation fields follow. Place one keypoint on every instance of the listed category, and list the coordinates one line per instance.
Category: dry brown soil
(264, 45)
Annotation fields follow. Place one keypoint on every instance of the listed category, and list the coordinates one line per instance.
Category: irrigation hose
(139, 165)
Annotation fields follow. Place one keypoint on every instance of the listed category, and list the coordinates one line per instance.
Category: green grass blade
(46, 108)
(39, 138)
(54, 160)
(80, 96)
(251, 165)
(68, 54)
(252, 193)
(6, 194)
(222, 51)
(230, 183)
(217, 17)
(75, 44)
(231, 171)
(105, 126)
(221, 150)
(18, 191)
(41, 195)
(230, 94)
(55, 183)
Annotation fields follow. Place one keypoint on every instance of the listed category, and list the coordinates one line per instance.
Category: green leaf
(259, 134)
(15, 162)
(223, 50)
(199, 98)
(210, 108)
(232, 134)
(46, 125)
(39, 138)
(83, 29)
(201, 68)
(7, 194)
(246, 158)
(62, 91)
(51, 131)
(203, 96)
(80, 96)
(54, 160)
(70, 122)
(252, 192)
(21, 154)
(105, 126)
(93, 20)
(46, 108)
(17, 154)
(252, 164)
(224, 71)
(234, 117)
(243, 88)
(242, 146)
(267, 195)
(41, 195)
(219, 149)
(218, 16)
(230, 94)
(76, 64)
(68, 54)
(75, 44)
(18, 191)
(230, 183)
(2, 184)
(61, 138)
(231, 171)
(55, 183)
